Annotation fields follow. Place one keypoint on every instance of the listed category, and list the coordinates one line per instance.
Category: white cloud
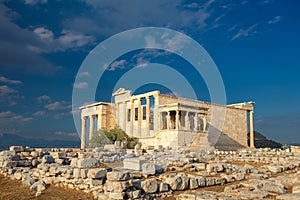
(70, 39)
(66, 40)
(244, 33)
(120, 64)
(275, 20)
(62, 133)
(43, 33)
(5, 90)
(43, 98)
(9, 81)
(81, 85)
(82, 74)
(59, 133)
(12, 123)
(8, 95)
(11, 117)
(58, 105)
(15, 42)
(33, 2)
(40, 113)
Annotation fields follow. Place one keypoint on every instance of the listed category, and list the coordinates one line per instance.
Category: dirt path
(13, 189)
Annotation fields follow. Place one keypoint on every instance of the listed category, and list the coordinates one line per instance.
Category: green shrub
(103, 136)
(99, 139)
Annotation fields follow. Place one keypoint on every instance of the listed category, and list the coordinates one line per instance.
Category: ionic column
(132, 116)
(83, 132)
(177, 120)
(99, 121)
(251, 130)
(204, 123)
(187, 121)
(196, 122)
(168, 120)
(91, 127)
(139, 117)
(148, 115)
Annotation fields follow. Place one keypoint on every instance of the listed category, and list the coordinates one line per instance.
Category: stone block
(77, 173)
(200, 166)
(84, 173)
(275, 169)
(149, 186)
(110, 147)
(47, 159)
(118, 176)
(271, 187)
(296, 188)
(294, 196)
(116, 195)
(116, 186)
(10, 164)
(58, 155)
(187, 197)
(163, 187)
(88, 163)
(35, 154)
(133, 163)
(201, 181)
(73, 162)
(193, 183)
(16, 148)
(178, 181)
(148, 169)
(97, 173)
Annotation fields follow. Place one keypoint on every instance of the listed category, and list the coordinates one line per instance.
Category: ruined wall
(235, 123)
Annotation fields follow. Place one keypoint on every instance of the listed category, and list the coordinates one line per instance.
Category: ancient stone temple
(167, 121)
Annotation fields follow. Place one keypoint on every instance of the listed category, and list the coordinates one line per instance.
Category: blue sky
(255, 45)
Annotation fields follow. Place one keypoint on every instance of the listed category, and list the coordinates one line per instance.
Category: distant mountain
(294, 144)
(261, 141)
(7, 140)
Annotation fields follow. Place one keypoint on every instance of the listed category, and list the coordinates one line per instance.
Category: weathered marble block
(133, 163)
(88, 163)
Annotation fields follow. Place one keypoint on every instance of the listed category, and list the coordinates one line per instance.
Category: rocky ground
(13, 189)
(115, 173)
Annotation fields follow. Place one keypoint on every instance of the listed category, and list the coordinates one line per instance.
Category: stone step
(200, 142)
(226, 143)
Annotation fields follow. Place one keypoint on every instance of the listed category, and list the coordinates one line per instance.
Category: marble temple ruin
(157, 119)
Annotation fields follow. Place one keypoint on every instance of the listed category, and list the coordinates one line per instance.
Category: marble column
(132, 113)
(99, 121)
(187, 121)
(168, 120)
(177, 122)
(204, 121)
(139, 117)
(83, 132)
(196, 122)
(91, 127)
(251, 130)
(148, 116)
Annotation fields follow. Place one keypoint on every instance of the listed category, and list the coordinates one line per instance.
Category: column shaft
(196, 122)
(187, 121)
(132, 117)
(91, 127)
(168, 120)
(177, 120)
(83, 132)
(99, 121)
(148, 116)
(139, 117)
(251, 130)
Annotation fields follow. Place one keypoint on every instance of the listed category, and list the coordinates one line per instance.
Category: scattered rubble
(115, 173)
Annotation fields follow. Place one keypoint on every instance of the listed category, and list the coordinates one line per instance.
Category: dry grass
(13, 189)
